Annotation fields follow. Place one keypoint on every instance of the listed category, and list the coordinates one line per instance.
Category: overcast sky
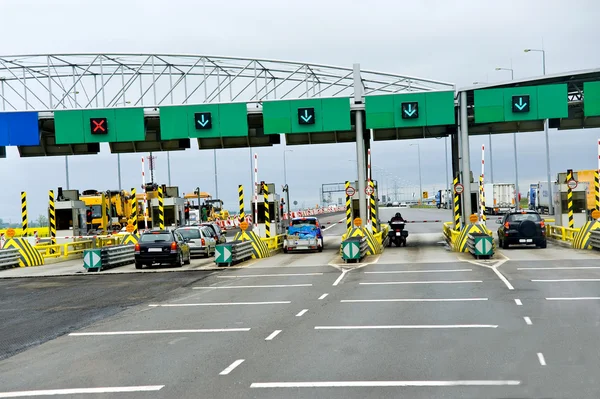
(453, 41)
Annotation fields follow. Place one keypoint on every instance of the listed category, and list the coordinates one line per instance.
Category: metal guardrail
(560, 232)
(108, 257)
(480, 245)
(595, 239)
(354, 249)
(233, 252)
(274, 243)
(9, 258)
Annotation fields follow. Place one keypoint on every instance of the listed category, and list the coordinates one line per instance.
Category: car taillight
(137, 247)
(173, 246)
(542, 224)
(203, 242)
(507, 225)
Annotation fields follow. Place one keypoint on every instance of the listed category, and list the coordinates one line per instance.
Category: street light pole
(420, 181)
(517, 204)
(287, 189)
(551, 204)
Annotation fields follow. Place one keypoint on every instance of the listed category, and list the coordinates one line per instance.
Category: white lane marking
(527, 320)
(415, 326)
(413, 300)
(273, 275)
(301, 312)
(340, 277)
(272, 335)
(566, 280)
(559, 268)
(581, 298)
(200, 330)
(323, 296)
(424, 282)
(334, 224)
(171, 305)
(253, 286)
(337, 384)
(504, 280)
(76, 391)
(541, 358)
(421, 271)
(231, 367)
(518, 302)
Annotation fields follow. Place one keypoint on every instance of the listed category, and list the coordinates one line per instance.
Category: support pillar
(465, 160)
(360, 144)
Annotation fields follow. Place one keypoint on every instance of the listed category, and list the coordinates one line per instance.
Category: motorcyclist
(397, 218)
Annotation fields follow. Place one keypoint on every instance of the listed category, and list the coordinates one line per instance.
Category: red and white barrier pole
(145, 195)
(481, 187)
(255, 189)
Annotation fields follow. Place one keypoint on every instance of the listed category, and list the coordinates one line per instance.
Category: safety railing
(274, 243)
(560, 232)
(9, 258)
(48, 250)
(76, 247)
(108, 257)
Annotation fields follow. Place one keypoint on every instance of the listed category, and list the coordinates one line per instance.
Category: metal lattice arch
(47, 82)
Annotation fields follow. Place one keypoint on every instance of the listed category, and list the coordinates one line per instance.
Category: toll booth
(356, 201)
(474, 198)
(561, 204)
(173, 207)
(276, 216)
(70, 214)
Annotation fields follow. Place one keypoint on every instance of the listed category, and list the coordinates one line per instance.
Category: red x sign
(99, 125)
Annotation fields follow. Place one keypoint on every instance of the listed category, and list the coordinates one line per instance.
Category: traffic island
(233, 252)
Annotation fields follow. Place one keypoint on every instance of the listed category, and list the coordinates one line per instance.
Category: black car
(161, 246)
(522, 227)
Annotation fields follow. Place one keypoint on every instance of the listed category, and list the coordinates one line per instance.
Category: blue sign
(203, 120)
(306, 116)
(410, 110)
(520, 104)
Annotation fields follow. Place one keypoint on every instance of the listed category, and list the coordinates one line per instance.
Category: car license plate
(526, 240)
(398, 233)
(154, 249)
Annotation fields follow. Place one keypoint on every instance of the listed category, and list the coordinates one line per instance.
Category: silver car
(200, 239)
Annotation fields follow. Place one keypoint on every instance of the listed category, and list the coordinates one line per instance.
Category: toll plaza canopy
(66, 104)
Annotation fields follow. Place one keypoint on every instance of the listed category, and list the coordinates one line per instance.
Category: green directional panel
(489, 105)
(439, 107)
(174, 123)
(313, 116)
(68, 127)
(214, 131)
(233, 120)
(130, 124)
(402, 116)
(517, 95)
(591, 99)
(277, 117)
(379, 112)
(553, 101)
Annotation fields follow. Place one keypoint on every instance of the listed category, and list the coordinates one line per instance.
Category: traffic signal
(88, 216)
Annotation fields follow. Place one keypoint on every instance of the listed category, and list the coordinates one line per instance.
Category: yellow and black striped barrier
(131, 239)
(456, 206)
(267, 213)
(161, 209)
(581, 239)
(375, 247)
(28, 255)
(24, 213)
(241, 202)
(460, 245)
(348, 208)
(52, 218)
(570, 199)
(373, 208)
(597, 189)
(134, 211)
(260, 249)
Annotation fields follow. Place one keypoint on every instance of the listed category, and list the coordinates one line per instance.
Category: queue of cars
(176, 247)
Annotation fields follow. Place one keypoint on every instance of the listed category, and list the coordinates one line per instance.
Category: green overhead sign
(99, 125)
(521, 103)
(306, 116)
(410, 110)
(591, 103)
(203, 121)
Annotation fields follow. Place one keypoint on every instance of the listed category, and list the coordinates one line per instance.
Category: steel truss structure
(47, 82)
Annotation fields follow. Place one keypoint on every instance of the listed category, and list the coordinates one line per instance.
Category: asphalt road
(415, 322)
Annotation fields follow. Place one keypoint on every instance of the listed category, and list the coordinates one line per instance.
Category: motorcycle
(397, 235)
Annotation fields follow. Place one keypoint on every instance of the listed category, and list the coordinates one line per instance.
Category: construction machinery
(117, 212)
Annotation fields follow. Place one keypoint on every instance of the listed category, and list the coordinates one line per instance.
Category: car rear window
(304, 222)
(156, 237)
(521, 217)
(191, 234)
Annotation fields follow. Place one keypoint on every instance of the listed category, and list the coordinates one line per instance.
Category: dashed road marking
(272, 335)
(76, 391)
(231, 367)
(541, 358)
(407, 327)
(518, 302)
(528, 320)
(323, 296)
(301, 313)
(413, 300)
(337, 384)
(200, 330)
(424, 282)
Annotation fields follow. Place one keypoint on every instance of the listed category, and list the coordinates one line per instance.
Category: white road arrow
(226, 253)
(349, 250)
(95, 258)
(481, 246)
(86, 260)
(217, 253)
